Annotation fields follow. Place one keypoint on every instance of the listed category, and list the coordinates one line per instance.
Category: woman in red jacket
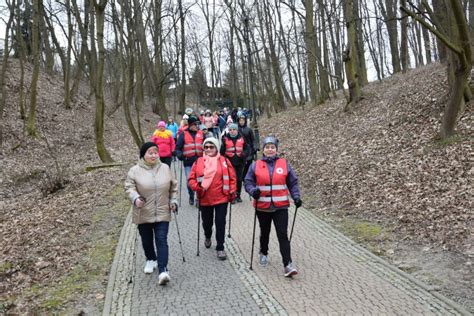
(163, 138)
(213, 178)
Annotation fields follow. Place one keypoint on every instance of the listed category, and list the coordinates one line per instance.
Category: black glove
(256, 194)
(298, 202)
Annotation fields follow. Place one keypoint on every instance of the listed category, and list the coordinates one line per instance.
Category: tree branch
(433, 30)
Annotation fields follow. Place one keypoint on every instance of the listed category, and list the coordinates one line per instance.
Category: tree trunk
(4, 65)
(99, 84)
(389, 13)
(426, 41)
(45, 45)
(182, 96)
(22, 57)
(404, 40)
(440, 11)
(31, 128)
(232, 58)
(324, 65)
(361, 64)
(310, 42)
(349, 58)
(471, 27)
(67, 69)
(159, 107)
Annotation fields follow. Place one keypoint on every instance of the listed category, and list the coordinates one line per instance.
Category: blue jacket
(173, 128)
(291, 179)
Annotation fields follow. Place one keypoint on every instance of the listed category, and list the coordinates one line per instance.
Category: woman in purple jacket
(269, 181)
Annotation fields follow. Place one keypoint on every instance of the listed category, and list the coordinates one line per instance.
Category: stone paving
(336, 276)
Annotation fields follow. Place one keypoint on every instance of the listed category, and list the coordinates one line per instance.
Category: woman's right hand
(139, 202)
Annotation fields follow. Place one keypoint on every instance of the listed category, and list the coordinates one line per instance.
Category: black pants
(207, 214)
(166, 160)
(239, 172)
(246, 168)
(280, 220)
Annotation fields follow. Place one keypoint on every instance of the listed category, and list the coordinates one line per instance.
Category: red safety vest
(225, 173)
(231, 150)
(192, 146)
(274, 189)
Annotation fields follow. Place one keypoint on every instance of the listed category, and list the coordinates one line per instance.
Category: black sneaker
(207, 243)
(191, 201)
(238, 199)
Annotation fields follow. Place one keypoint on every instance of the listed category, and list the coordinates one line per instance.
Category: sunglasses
(209, 147)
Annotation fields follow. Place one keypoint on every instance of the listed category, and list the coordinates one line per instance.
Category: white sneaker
(163, 278)
(150, 266)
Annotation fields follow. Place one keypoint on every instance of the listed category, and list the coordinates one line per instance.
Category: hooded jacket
(157, 186)
(249, 138)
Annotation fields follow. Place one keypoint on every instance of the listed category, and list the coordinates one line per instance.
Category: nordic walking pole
(199, 226)
(230, 218)
(180, 182)
(293, 225)
(179, 235)
(253, 237)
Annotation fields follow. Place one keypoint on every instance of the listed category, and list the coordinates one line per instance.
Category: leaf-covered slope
(383, 161)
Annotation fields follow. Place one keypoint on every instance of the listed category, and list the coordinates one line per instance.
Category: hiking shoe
(191, 201)
(163, 278)
(290, 270)
(150, 266)
(238, 199)
(263, 260)
(221, 255)
(207, 243)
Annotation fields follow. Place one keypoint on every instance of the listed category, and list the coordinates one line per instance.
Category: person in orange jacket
(213, 179)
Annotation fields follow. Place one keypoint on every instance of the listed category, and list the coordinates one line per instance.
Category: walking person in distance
(234, 147)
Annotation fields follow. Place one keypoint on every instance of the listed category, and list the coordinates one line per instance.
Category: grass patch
(5, 266)
(362, 231)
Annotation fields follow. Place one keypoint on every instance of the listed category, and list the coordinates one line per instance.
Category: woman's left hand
(173, 207)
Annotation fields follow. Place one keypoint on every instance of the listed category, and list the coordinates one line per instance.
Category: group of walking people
(215, 171)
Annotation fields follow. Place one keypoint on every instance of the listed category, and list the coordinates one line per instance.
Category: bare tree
(457, 40)
(31, 126)
(104, 155)
(4, 64)
(311, 49)
(350, 57)
(389, 13)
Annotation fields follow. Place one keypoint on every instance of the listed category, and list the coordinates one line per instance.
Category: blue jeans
(160, 240)
(187, 171)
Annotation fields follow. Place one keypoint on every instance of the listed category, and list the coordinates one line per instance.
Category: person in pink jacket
(163, 138)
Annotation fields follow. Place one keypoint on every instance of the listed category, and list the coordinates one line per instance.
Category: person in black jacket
(234, 147)
(249, 138)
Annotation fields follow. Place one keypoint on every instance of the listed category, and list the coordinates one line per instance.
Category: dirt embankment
(382, 176)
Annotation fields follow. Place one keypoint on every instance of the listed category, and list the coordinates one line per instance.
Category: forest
(375, 96)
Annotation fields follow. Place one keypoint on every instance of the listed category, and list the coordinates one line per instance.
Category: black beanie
(145, 147)
(192, 120)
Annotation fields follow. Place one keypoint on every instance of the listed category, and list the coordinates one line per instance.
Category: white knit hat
(212, 140)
